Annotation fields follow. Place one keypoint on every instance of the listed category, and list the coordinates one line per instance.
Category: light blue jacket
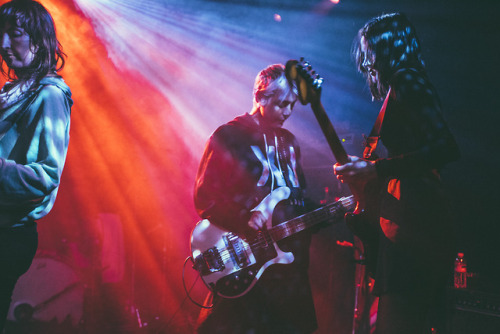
(34, 137)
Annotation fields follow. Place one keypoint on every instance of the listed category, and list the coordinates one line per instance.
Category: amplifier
(473, 312)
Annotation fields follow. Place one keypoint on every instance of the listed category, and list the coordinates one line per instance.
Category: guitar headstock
(307, 80)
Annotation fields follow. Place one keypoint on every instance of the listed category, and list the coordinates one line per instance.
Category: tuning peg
(303, 62)
(318, 82)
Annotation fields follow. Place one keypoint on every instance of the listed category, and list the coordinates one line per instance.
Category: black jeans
(18, 246)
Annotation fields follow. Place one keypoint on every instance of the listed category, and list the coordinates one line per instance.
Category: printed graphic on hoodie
(271, 167)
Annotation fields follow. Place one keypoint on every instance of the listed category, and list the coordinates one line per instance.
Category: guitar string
(297, 224)
(321, 214)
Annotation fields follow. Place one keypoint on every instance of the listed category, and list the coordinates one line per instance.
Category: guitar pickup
(236, 249)
(209, 261)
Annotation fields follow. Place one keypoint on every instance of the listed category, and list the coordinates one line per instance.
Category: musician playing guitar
(244, 161)
(415, 246)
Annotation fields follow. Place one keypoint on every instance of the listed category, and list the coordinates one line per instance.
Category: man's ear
(262, 100)
(33, 48)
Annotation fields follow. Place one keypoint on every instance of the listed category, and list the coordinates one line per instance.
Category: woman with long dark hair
(415, 249)
(35, 107)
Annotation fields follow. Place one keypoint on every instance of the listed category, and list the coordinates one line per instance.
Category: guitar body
(228, 264)
(364, 221)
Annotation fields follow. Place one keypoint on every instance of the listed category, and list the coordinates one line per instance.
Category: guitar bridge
(236, 249)
(209, 261)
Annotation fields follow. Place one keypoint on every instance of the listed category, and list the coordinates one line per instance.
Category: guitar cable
(161, 329)
(188, 292)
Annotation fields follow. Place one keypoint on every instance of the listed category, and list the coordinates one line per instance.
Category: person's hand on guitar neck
(356, 171)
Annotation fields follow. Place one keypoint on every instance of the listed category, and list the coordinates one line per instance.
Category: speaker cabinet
(473, 312)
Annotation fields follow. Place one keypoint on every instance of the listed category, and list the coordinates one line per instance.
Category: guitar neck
(329, 212)
(329, 132)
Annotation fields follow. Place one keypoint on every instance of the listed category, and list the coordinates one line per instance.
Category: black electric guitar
(363, 222)
(230, 266)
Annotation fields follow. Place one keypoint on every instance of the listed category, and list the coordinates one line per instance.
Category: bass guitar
(230, 265)
(363, 222)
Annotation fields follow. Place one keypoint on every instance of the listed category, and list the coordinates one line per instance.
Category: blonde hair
(272, 82)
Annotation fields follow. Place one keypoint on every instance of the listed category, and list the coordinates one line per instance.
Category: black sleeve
(213, 197)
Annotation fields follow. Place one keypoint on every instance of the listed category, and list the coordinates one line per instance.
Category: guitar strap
(372, 141)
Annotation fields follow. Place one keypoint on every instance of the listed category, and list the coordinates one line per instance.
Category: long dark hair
(393, 44)
(39, 25)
